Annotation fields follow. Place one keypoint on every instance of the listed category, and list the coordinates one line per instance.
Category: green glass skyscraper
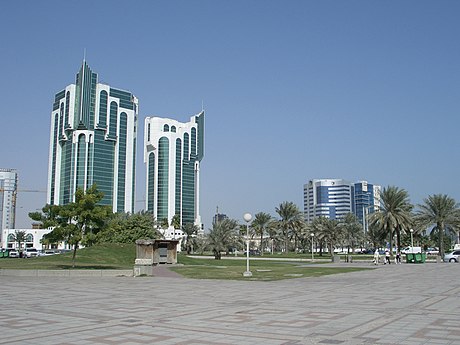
(93, 141)
(173, 151)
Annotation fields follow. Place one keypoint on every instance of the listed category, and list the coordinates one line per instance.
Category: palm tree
(291, 220)
(222, 235)
(394, 214)
(260, 226)
(376, 236)
(328, 230)
(191, 230)
(20, 237)
(439, 210)
(353, 231)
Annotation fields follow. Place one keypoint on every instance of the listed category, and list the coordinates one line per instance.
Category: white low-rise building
(33, 239)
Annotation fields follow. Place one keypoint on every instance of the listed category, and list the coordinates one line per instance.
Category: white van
(457, 246)
(410, 250)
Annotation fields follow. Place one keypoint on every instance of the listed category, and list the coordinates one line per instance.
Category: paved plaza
(408, 304)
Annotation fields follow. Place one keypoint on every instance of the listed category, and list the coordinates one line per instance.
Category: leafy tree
(290, 222)
(127, 228)
(439, 210)
(260, 225)
(48, 217)
(222, 236)
(76, 222)
(394, 214)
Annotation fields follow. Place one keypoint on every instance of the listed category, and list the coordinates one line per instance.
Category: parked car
(30, 253)
(13, 253)
(452, 256)
(49, 252)
(432, 251)
(411, 250)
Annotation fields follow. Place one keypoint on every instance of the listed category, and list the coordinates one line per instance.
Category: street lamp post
(412, 240)
(247, 218)
(312, 236)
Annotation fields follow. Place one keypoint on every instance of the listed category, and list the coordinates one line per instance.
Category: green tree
(77, 222)
(330, 231)
(191, 231)
(441, 211)
(127, 228)
(273, 234)
(175, 221)
(19, 236)
(48, 217)
(290, 222)
(353, 231)
(376, 236)
(164, 223)
(394, 215)
(222, 236)
(260, 225)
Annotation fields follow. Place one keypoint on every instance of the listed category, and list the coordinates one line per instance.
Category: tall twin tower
(93, 141)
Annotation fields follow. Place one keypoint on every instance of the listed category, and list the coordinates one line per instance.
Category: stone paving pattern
(407, 304)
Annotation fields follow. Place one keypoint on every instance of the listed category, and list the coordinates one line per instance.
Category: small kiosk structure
(154, 252)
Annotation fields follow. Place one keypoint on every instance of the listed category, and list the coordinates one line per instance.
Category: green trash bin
(420, 258)
(410, 258)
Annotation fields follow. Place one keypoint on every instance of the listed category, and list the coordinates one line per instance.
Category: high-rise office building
(366, 199)
(93, 141)
(334, 198)
(8, 192)
(172, 153)
(331, 198)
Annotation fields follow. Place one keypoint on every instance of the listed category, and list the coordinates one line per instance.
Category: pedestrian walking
(376, 257)
(398, 257)
(387, 257)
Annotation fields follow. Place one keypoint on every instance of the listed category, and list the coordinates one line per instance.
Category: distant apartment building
(8, 192)
(334, 198)
(172, 153)
(93, 141)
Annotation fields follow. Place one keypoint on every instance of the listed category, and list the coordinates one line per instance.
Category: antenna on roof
(202, 105)
(84, 54)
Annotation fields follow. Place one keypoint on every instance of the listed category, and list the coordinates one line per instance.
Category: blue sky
(293, 90)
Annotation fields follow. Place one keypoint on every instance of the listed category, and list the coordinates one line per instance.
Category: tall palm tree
(441, 211)
(291, 220)
(222, 235)
(353, 231)
(394, 214)
(260, 226)
(328, 230)
(19, 237)
(191, 230)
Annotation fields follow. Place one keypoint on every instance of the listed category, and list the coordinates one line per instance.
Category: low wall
(66, 273)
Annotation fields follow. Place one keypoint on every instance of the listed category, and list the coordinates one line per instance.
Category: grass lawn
(104, 256)
(261, 270)
(122, 256)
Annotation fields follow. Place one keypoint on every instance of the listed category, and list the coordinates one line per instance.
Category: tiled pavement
(397, 304)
